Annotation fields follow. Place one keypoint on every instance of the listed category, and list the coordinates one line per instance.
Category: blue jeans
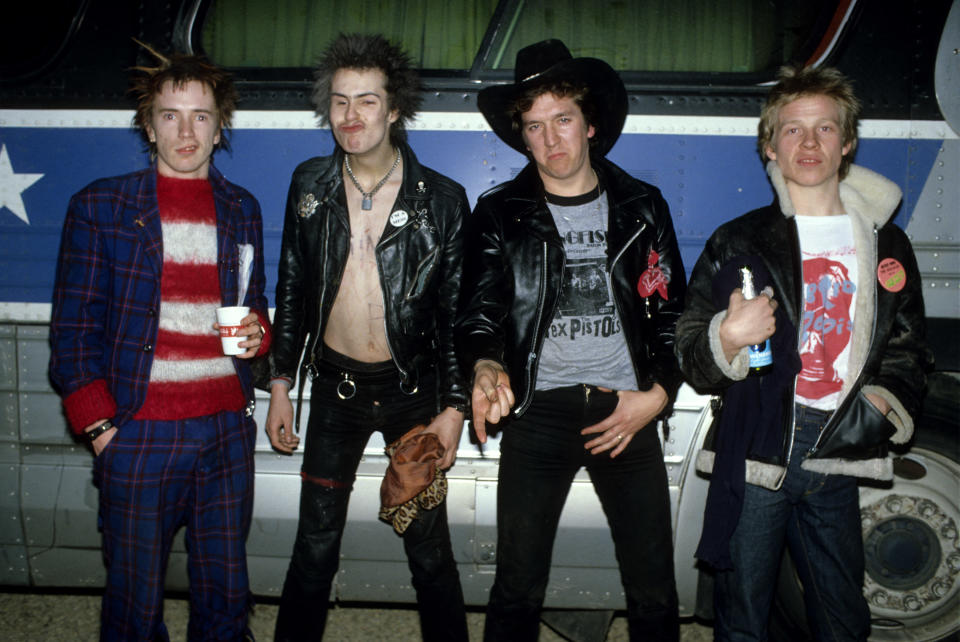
(337, 433)
(539, 455)
(818, 517)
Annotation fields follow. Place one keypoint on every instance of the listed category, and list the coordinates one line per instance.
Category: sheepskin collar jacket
(888, 354)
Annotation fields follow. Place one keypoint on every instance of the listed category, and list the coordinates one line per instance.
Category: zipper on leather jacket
(797, 268)
(404, 374)
(308, 366)
(532, 356)
(616, 302)
(858, 383)
(311, 366)
(630, 241)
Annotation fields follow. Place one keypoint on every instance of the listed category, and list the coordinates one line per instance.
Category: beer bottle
(761, 358)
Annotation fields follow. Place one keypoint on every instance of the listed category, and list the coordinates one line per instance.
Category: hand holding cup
(240, 331)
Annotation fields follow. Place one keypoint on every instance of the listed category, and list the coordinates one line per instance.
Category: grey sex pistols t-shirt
(584, 343)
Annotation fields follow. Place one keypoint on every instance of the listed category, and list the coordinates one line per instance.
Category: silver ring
(619, 437)
(347, 388)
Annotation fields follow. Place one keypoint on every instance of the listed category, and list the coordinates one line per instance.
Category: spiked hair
(370, 51)
(180, 69)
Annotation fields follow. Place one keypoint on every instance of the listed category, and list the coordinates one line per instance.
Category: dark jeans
(539, 455)
(337, 433)
(818, 517)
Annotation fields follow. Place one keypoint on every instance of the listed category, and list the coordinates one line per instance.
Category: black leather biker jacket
(513, 267)
(419, 262)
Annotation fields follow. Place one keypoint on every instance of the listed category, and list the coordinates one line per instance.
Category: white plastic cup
(229, 319)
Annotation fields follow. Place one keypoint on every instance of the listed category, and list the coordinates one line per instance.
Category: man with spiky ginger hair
(145, 261)
(368, 280)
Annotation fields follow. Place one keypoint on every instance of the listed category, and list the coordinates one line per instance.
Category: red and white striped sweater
(190, 376)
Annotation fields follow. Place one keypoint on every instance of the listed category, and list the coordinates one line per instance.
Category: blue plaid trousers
(154, 477)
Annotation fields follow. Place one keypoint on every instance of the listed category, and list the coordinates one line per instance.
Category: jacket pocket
(857, 433)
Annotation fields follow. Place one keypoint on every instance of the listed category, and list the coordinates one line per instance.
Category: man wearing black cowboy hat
(571, 288)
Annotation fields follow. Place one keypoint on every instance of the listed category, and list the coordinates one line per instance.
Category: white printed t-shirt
(829, 260)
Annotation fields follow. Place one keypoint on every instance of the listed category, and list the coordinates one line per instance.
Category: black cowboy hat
(550, 60)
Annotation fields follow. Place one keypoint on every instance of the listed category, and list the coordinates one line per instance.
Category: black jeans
(539, 455)
(337, 433)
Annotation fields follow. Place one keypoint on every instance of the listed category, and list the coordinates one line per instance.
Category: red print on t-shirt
(827, 296)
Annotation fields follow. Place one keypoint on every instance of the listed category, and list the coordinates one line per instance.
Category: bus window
(672, 36)
(671, 40)
(438, 34)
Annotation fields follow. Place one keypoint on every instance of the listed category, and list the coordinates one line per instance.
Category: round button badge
(891, 275)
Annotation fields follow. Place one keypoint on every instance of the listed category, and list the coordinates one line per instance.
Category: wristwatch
(91, 435)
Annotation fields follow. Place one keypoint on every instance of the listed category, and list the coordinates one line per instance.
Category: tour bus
(696, 73)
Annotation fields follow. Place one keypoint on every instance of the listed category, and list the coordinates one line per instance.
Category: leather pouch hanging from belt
(413, 481)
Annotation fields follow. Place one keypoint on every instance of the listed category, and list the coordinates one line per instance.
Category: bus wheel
(911, 535)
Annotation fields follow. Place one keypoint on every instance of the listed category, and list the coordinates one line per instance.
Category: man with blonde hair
(842, 307)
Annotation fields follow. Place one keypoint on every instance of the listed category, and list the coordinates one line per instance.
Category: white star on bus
(12, 186)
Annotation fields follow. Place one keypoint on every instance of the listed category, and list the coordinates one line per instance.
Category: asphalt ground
(59, 616)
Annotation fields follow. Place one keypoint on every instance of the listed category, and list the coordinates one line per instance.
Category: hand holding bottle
(750, 320)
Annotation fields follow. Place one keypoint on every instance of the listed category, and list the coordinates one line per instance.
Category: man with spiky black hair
(368, 281)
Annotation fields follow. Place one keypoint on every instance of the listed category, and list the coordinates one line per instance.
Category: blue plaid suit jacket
(107, 294)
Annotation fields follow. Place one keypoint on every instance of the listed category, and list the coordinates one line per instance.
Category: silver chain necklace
(367, 203)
